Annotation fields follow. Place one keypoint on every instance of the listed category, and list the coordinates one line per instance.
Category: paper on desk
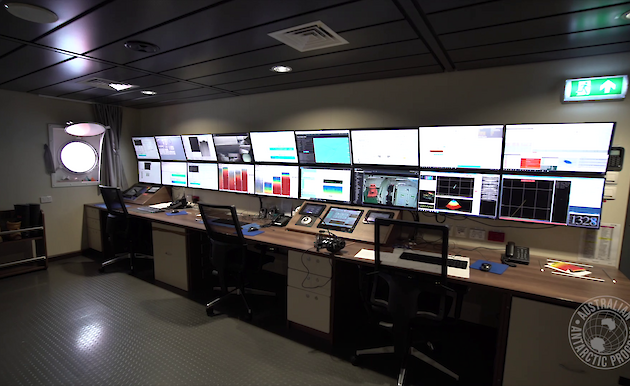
(601, 245)
(163, 205)
(366, 254)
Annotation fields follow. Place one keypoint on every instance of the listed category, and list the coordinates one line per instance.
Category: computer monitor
(199, 147)
(174, 174)
(571, 201)
(341, 219)
(236, 178)
(203, 175)
(564, 147)
(171, 148)
(145, 148)
(471, 194)
(149, 172)
(396, 189)
(324, 147)
(274, 146)
(233, 148)
(385, 147)
(325, 184)
(461, 147)
(279, 181)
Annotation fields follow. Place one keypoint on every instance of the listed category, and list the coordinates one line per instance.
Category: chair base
(123, 256)
(238, 292)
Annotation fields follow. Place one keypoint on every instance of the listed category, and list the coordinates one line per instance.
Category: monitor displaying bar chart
(174, 174)
(236, 178)
(203, 175)
(274, 146)
(199, 147)
(279, 181)
(325, 184)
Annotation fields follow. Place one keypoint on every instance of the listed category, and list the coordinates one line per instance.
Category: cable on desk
(308, 272)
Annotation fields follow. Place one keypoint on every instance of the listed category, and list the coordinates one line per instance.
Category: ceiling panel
(88, 94)
(431, 6)
(27, 60)
(6, 46)
(136, 93)
(179, 101)
(174, 95)
(116, 74)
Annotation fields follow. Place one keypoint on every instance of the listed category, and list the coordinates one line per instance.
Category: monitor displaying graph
(461, 147)
(386, 188)
(174, 174)
(171, 148)
(325, 184)
(385, 147)
(279, 181)
(324, 146)
(203, 175)
(149, 172)
(274, 146)
(236, 178)
(145, 148)
(199, 147)
(472, 194)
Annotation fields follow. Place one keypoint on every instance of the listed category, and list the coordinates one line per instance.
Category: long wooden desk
(523, 281)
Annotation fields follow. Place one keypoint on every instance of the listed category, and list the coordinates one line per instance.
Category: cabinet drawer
(94, 239)
(169, 256)
(93, 223)
(309, 282)
(316, 265)
(92, 213)
(308, 309)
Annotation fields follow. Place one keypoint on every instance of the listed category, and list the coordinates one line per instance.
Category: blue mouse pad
(176, 214)
(497, 268)
(252, 233)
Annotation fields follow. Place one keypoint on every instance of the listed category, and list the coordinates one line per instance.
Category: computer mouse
(485, 267)
(175, 211)
(252, 229)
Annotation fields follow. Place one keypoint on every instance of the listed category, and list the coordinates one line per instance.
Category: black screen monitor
(171, 148)
(397, 189)
(341, 219)
(234, 148)
(396, 147)
(145, 148)
(324, 147)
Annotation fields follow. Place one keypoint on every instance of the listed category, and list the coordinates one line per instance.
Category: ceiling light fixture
(148, 92)
(626, 15)
(135, 45)
(84, 129)
(281, 69)
(121, 86)
(31, 13)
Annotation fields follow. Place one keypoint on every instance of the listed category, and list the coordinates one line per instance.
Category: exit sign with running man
(594, 89)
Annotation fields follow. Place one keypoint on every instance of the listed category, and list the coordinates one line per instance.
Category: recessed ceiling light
(148, 92)
(135, 45)
(626, 15)
(281, 69)
(121, 86)
(31, 13)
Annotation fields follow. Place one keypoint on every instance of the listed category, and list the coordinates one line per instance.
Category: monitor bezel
(306, 163)
(242, 134)
(323, 225)
(349, 202)
(171, 160)
(216, 165)
(196, 135)
(174, 162)
(297, 158)
(398, 128)
(381, 206)
(156, 161)
(146, 159)
(235, 191)
(273, 195)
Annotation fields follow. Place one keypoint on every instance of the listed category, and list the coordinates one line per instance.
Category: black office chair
(232, 261)
(409, 303)
(121, 230)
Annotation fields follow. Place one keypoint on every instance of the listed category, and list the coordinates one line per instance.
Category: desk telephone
(514, 254)
(179, 204)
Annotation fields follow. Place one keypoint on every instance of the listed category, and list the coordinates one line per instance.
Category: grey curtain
(112, 172)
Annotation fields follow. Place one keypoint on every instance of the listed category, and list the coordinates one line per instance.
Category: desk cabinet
(308, 290)
(93, 221)
(169, 255)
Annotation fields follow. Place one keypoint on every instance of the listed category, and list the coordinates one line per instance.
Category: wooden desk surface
(523, 280)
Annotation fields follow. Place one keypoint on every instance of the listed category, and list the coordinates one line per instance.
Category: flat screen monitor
(386, 188)
(236, 178)
(385, 147)
(565, 147)
(171, 148)
(275, 146)
(341, 219)
(145, 148)
(471, 194)
(325, 184)
(276, 180)
(174, 174)
(233, 148)
(149, 172)
(571, 201)
(199, 147)
(203, 175)
(324, 147)
(461, 147)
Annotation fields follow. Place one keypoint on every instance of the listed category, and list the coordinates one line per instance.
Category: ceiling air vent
(107, 84)
(310, 36)
(139, 46)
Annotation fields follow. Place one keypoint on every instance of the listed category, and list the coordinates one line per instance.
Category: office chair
(229, 256)
(120, 229)
(406, 302)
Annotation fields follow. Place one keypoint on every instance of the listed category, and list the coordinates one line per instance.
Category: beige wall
(23, 133)
(516, 94)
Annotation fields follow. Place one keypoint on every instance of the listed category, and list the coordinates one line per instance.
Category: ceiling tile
(7, 46)
(116, 74)
(175, 95)
(26, 60)
(430, 6)
(183, 100)
(136, 93)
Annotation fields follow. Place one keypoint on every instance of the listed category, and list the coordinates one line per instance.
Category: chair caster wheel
(210, 311)
(101, 269)
(355, 360)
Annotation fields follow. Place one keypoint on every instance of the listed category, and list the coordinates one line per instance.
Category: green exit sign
(594, 89)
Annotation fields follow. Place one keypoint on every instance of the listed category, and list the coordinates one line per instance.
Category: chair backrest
(215, 219)
(113, 198)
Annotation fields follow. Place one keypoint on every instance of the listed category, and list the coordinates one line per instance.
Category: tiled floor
(72, 325)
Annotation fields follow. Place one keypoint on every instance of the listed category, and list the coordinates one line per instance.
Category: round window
(78, 157)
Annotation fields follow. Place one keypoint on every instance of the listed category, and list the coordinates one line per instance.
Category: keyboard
(147, 209)
(453, 263)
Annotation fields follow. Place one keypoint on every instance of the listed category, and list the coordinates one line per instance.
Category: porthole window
(78, 157)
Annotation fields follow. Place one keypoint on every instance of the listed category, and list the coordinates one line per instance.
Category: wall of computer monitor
(539, 173)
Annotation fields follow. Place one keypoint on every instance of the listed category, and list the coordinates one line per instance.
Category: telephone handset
(179, 204)
(515, 254)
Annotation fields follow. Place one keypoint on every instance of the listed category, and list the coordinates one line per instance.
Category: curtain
(112, 172)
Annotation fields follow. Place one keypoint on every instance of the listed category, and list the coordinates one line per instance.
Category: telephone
(615, 160)
(281, 220)
(515, 254)
(179, 204)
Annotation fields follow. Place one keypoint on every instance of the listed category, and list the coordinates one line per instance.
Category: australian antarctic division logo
(599, 332)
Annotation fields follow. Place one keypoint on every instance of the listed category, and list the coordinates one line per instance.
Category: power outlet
(477, 234)
(45, 199)
(460, 232)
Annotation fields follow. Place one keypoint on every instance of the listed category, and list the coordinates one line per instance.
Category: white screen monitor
(571, 201)
(199, 147)
(325, 184)
(461, 147)
(324, 147)
(274, 146)
(203, 175)
(470, 194)
(233, 148)
(149, 172)
(174, 174)
(236, 178)
(385, 147)
(171, 148)
(396, 189)
(279, 181)
(565, 147)
(145, 148)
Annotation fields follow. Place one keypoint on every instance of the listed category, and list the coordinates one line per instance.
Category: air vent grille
(308, 37)
(104, 83)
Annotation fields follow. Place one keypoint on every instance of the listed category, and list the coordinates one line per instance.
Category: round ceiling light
(148, 92)
(626, 15)
(31, 13)
(135, 45)
(84, 129)
(281, 69)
